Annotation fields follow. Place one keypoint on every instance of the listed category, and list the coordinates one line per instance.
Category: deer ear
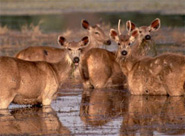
(155, 25)
(130, 26)
(134, 35)
(114, 35)
(85, 24)
(98, 25)
(61, 40)
(85, 40)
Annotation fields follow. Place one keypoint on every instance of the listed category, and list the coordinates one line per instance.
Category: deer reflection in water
(147, 114)
(35, 121)
(99, 106)
(144, 115)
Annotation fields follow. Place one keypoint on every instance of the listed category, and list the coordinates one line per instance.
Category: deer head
(96, 33)
(74, 49)
(145, 31)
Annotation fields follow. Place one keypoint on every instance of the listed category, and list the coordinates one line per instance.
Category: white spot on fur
(150, 71)
(157, 61)
(132, 39)
(171, 65)
(164, 62)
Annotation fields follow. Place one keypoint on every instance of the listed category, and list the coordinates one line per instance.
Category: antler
(128, 26)
(119, 30)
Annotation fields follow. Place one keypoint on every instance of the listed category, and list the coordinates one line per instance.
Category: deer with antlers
(147, 45)
(160, 75)
(99, 67)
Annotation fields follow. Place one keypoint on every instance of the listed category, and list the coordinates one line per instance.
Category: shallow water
(109, 112)
(98, 112)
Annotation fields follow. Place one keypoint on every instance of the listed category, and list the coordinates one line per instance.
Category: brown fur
(26, 82)
(99, 69)
(161, 75)
(42, 53)
(54, 55)
(96, 35)
(147, 46)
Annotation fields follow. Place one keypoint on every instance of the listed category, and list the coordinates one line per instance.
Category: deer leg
(85, 76)
(84, 72)
(6, 97)
(49, 93)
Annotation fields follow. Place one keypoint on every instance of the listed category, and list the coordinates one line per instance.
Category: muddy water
(97, 112)
(107, 112)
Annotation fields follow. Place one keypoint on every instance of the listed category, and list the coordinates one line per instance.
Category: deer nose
(124, 52)
(108, 42)
(76, 60)
(147, 37)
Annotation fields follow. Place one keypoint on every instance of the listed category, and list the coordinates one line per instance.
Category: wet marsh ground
(80, 112)
(93, 112)
(107, 112)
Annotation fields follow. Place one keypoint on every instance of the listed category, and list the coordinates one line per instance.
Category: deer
(36, 82)
(160, 75)
(99, 67)
(96, 36)
(147, 46)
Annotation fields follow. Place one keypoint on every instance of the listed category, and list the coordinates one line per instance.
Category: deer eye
(140, 31)
(97, 33)
(80, 49)
(129, 43)
(119, 43)
(69, 49)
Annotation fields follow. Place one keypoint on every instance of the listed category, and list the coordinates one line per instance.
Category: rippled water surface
(98, 112)
(79, 112)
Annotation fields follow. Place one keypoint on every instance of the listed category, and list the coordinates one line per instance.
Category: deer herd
(35, 74)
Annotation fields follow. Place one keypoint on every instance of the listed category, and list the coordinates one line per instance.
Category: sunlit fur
(161, 75)
(97, 35)
(27, 82)
(74, 49)
(147, 46)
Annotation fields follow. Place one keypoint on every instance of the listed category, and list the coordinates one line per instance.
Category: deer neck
(137, 49)
(63, 69)
(92, 44)
(128, 63)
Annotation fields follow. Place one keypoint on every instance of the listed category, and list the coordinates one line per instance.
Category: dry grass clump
(170, 35)
(31, 35)
(31, 29)
(4, 30)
